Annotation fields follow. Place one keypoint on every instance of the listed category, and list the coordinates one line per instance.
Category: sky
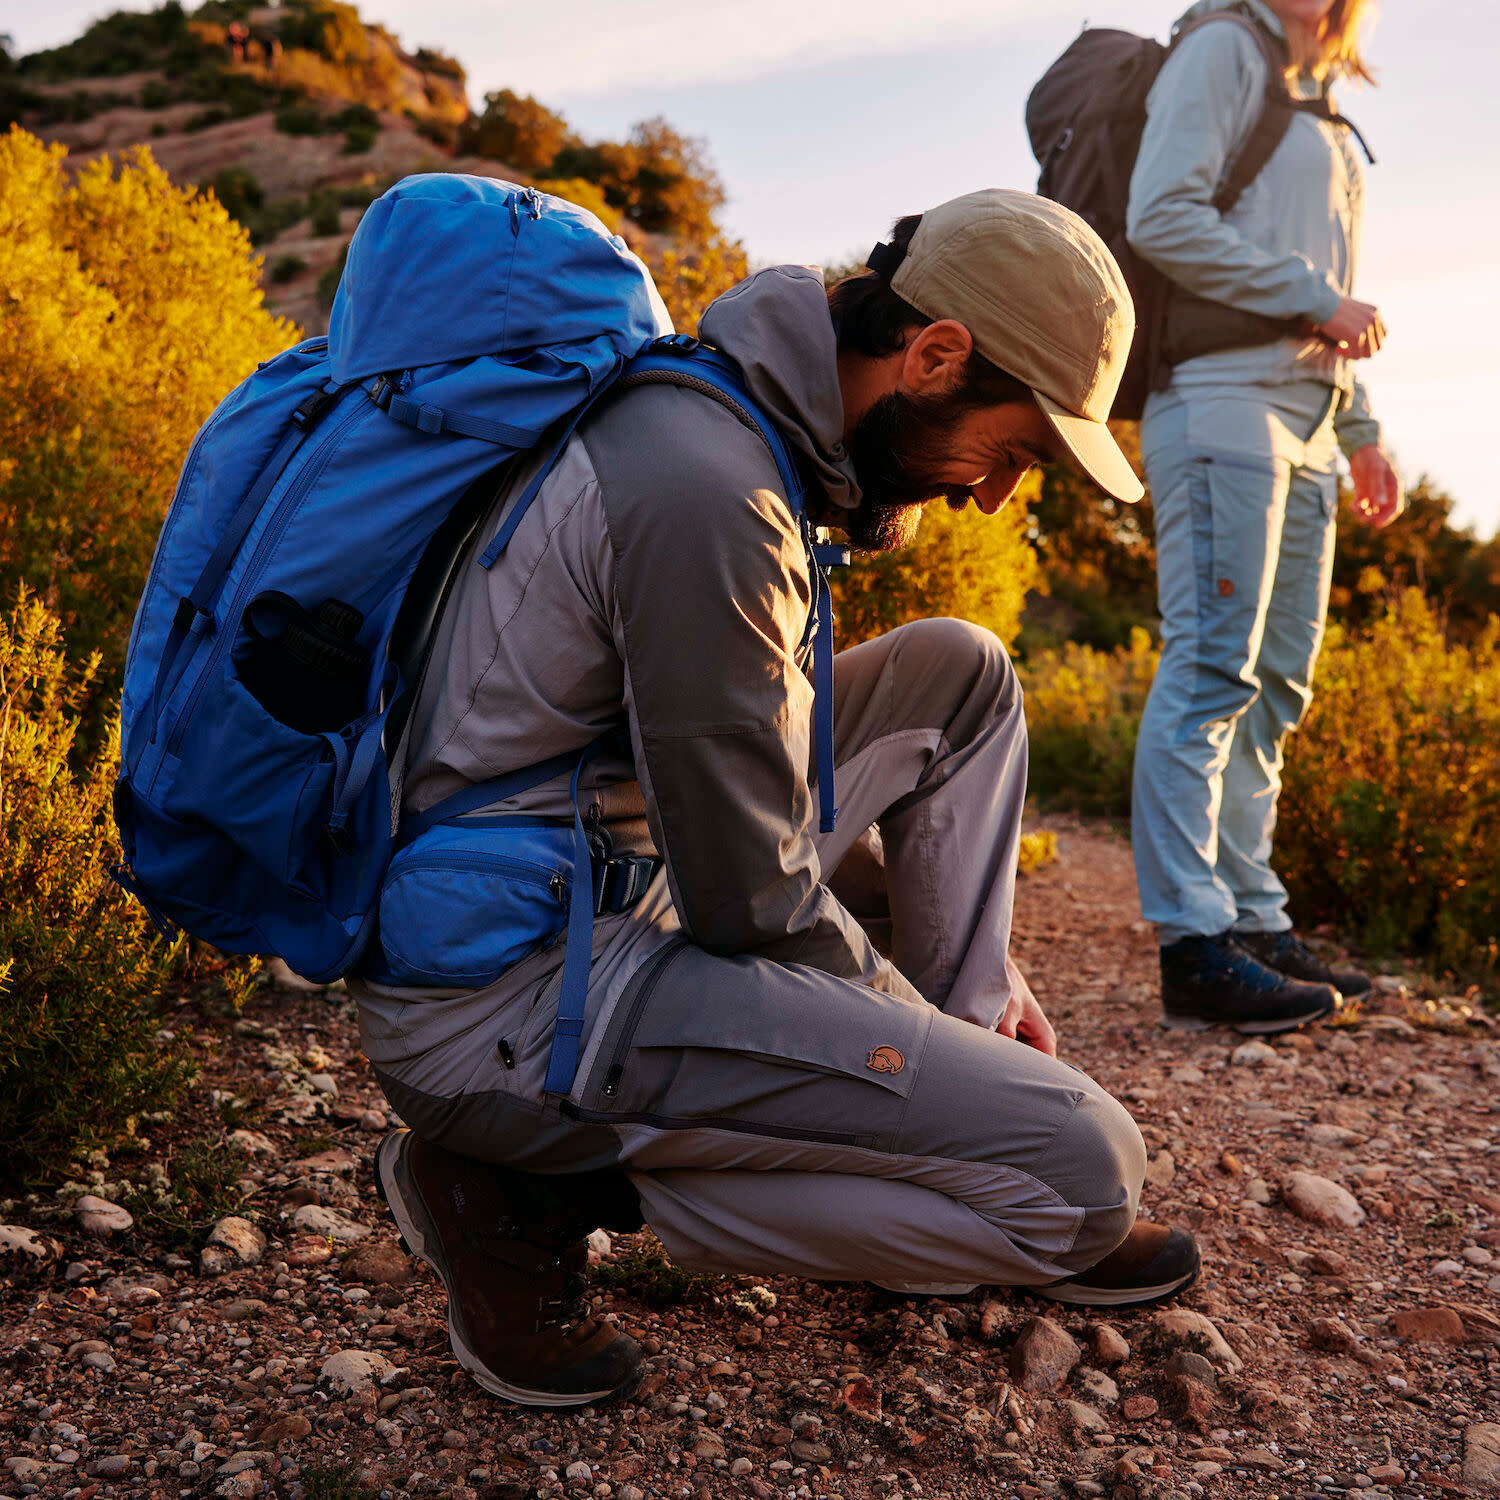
(828, 121)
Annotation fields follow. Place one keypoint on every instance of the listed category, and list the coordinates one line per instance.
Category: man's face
(909, 450)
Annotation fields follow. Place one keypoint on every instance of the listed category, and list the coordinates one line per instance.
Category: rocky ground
(1344, 1337)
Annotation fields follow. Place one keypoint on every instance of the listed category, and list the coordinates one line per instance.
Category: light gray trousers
(776, 1119)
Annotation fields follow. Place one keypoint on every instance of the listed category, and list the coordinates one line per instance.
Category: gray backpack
(1085, 117)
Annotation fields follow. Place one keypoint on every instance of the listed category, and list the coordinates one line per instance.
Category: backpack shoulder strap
(1276, 112)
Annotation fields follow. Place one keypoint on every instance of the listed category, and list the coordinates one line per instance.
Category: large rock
(349, 1371)
(1182, 1328)
(1320, 1201)
(1429, 1325)
(313, 1218)
(233, 1242)
(22, 1248)
(1482, 1458)
(1042, 1356)
(99, 1216)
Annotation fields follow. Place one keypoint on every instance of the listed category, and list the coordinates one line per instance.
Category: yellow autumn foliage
(128, 308)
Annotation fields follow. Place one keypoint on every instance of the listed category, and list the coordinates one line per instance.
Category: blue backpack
(259, 795)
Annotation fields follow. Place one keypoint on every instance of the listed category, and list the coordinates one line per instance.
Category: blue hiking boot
(1213, 981)
(1288, 954)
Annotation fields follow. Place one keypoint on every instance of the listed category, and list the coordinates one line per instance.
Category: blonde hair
(1335, 47)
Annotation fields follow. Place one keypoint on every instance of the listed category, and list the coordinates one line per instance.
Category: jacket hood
(1262, 13)
(447, 267)
(776, 327)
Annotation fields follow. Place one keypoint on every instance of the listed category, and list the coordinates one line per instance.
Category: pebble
(1477, 1255)
(19, 1245)
(1320, 1201)
(253, 1143)
(1254, 1055)
(1185, 1363)
(372, 1121)
(1449, 1268)
(1138, 1408)
(1332, 1135)
(1084, 1417)
(1429, 1325)
(1108, 1346)
(1160, 1171)
(313, 1218)
(380, 1263)
(1096, 1385)
(100, 1217)
(349, 1371)
(232, 1243)
(289, 1425)
(1183, 1328)
(1042, 1355)
(1482, 1458)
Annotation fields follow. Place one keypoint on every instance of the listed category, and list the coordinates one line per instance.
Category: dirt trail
(1344, 1336)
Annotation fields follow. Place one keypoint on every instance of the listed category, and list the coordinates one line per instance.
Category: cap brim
(1093, 445)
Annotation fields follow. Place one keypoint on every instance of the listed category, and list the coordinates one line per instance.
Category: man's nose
(992, 495)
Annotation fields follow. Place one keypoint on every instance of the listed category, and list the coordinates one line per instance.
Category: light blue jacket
(1289, 247)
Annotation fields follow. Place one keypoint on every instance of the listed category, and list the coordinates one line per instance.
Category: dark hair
(870, 319)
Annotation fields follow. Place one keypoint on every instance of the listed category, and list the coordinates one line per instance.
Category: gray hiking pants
(779, 1120)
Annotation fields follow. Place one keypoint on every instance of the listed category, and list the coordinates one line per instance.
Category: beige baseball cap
(1045, 302)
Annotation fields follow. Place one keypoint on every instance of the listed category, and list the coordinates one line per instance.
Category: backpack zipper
(267, 544)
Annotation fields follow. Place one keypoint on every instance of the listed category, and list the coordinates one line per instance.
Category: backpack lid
(446, 266)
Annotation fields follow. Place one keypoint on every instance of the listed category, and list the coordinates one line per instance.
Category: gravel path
(1344, 1183)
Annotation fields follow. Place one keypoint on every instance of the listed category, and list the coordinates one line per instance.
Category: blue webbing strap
(434, 419)
(483, 793)
(578, 953)
(824, 556)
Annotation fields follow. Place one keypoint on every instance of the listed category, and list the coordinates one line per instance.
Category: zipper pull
(505, 1053)
(559, 888)
(611, 1085)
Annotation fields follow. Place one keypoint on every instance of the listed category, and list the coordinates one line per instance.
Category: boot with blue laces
(1214, 981)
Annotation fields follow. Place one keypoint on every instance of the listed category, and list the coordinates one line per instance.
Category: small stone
(1160, 1171)
(1332, 1135)
(110, 1467)
(1254, 1055)
(708, 1447)
(1258, 1190)
(1138, 1408)
(579, 1473)
(1482, 1458)
(1042, 1355)
(1387, 1474)
(1184, 1362)
(20, 1246)
(242, 1309)
(1096, 1385)
(1259, 1458)
(1448, 1267)
(101, 1360)
(1229, 1164)
(99, 1216)
(1187, 1075)
(289, 1426)
(372, 1121)
(1477, 1255)
(806, 1452)
(349, 1371)
(740, 1467)
(1108, 1346)
(379, 1263)
(1320, 1201)
(313, 1218)
(305, 1250)
(337, 1163)
(233, 1242)
(1182, 1328)
(1083, 1417)
(1334, 1336)
(1432, 1085)
(253, 1143)
(1429, 1325)
(1328, 1263)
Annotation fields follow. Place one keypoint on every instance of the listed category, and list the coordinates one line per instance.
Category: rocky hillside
(297, 116)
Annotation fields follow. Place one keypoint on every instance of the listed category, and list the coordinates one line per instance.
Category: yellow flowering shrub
(128, 308)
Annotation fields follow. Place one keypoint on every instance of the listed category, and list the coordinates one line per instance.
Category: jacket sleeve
(1355, 425)
(1203, 105)
(711, 596)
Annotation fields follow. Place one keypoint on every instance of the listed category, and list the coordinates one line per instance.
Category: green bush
(285, 267)
(1390, 824)
(155, 95)
(518, 131)
(239, 192)
(301, 119)
(324, 211)
(361, 127)
(79, 1054)
(1083, 710)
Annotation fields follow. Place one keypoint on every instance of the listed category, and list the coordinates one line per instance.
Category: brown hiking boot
(510, 1249)
(1152, 1263)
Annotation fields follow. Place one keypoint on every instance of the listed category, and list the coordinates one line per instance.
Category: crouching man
(755, 1081)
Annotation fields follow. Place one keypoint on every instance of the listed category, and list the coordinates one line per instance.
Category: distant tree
(518, 131)
(690, 278)
(131, 307)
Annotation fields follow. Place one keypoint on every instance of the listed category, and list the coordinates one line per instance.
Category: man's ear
(934, 361)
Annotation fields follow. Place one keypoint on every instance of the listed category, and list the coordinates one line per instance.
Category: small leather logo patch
(1226, 587)
(885, 1060)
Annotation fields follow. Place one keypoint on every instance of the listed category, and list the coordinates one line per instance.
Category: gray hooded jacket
(660, 576)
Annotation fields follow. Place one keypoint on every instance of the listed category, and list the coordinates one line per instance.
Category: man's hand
(1355, 330)
(1378, 494)
(1023, 1018)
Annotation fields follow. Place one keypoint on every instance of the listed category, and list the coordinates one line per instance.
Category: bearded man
(755, 1081)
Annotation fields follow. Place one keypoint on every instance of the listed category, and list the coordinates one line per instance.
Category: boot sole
(1115, 1296)
(1250, 1028)
(419, 1239)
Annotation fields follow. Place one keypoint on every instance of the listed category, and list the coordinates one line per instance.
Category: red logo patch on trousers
(885, 1060)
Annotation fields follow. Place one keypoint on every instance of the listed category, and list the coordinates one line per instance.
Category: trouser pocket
(758, 1048)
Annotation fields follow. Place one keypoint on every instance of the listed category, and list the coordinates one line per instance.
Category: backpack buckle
(620, 883)
(677, 343)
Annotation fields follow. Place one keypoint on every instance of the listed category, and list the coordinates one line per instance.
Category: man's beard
(897, 448)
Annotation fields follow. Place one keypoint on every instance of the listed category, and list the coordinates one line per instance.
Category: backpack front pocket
(465, 901)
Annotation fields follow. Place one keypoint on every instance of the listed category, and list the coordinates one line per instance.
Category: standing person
(754, 1079)
(1240, 452)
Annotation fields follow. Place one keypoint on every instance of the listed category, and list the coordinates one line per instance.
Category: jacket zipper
(267, 544)
(611, 1085)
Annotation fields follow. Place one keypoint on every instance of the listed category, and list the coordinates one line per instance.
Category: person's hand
(1356, 330)
(1024, 1019)
(1378, 494)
